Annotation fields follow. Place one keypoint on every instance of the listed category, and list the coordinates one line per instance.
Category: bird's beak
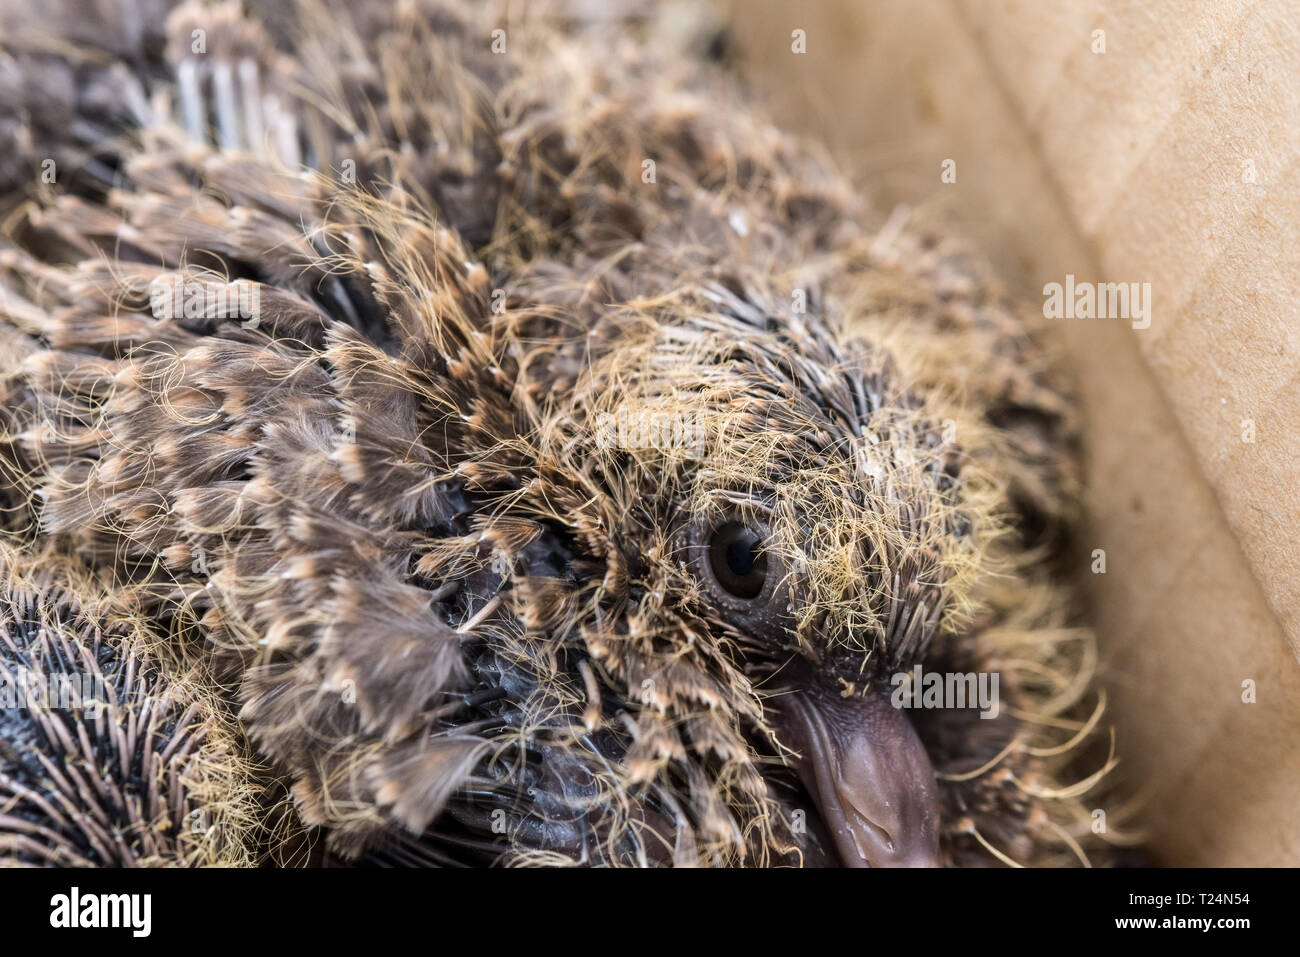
(867, 771)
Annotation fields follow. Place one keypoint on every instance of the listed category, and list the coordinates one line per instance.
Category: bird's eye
(743, 578)
(736, 560)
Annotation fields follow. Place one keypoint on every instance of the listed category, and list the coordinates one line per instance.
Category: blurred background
(1130, 141)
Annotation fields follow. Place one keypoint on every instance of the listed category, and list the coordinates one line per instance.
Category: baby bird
(107, 755)
(536, 456)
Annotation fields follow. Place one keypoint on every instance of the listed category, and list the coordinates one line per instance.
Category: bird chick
(556, 460)
(111, 752)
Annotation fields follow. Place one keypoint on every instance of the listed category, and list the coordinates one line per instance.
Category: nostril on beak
(864, 766)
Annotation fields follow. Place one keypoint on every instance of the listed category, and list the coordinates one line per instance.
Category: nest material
(460, 623)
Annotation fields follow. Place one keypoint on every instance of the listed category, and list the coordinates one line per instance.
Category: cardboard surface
(1168, 159)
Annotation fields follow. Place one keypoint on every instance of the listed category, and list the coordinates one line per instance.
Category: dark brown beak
(868, 773)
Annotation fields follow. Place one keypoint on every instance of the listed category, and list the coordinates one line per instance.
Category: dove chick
(547, 460)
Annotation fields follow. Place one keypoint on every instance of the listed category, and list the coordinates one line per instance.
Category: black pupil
(736, 561)
(741, 557)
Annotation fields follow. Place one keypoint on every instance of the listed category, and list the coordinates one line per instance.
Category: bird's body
(558, 473)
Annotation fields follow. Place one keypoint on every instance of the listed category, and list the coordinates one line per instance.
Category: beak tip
(881, 853)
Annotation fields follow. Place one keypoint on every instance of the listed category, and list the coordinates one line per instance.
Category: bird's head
(765, 529)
